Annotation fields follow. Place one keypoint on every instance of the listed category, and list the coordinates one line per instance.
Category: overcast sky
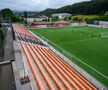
(35, 5)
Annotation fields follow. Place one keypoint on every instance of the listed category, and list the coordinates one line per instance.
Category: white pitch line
(79, 40)
(93, 68)
(82, 62)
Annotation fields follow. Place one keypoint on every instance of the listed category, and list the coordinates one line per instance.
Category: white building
(33, 18)
(61, 15)
(103, 24)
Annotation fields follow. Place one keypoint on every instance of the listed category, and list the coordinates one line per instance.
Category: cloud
(35, 5)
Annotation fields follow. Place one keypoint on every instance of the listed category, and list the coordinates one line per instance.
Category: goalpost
(104, 35)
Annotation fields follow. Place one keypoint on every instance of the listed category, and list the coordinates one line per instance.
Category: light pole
(1, 48)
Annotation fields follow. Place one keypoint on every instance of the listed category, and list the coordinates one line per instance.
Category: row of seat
(24, 35)
(63, 76)
(55, 73)
(21, 29)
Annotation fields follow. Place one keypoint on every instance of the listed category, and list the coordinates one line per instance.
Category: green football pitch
(85, 44)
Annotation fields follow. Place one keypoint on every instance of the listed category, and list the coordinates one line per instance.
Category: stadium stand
(57, 69)
(23, 34)
(50, 71)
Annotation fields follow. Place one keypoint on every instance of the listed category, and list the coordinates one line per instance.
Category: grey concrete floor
(6, 72)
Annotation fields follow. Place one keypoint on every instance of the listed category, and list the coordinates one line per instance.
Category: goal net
(104, 34)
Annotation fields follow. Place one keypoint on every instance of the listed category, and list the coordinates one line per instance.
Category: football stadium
(54, 45)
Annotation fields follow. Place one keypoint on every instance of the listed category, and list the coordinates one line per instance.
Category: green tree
(15, 18)
(7, 13)
(55, 18)
(69, 18)
(66, 18)
(48, 19)
(84, 8)
(0, 25)
(106, 13)
(25, 16)
(75, 19)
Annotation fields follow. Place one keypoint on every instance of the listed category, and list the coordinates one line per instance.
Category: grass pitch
(84, 43)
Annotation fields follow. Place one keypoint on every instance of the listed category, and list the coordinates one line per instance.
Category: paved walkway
(6, 73)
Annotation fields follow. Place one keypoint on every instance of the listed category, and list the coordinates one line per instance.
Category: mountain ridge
(84, 8)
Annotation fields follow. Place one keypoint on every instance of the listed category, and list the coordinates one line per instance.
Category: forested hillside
(98, 7)
(7, 13)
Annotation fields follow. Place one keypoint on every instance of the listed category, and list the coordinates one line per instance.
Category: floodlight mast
(2, 22)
